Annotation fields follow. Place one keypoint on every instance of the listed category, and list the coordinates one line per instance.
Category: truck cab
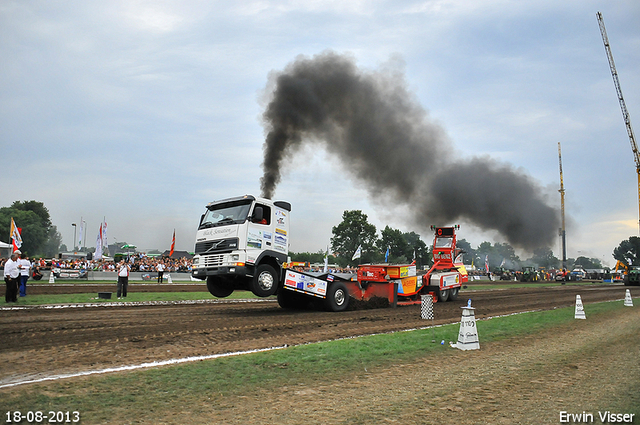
(241, 243)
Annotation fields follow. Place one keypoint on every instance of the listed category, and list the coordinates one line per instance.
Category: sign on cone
(468, 335)
(628, 302)
(579, 309)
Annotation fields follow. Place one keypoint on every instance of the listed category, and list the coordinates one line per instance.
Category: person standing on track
(160, 270)
(24, 273)
(123, 279)
(11, 278)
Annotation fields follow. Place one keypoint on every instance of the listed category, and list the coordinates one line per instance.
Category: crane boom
(563, 234)
(623, 106)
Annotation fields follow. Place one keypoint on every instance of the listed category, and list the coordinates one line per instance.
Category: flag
(386, 256)
(503, 261)
(358, 253)
(173, 243)
(98, 254)
(326, 262)
(486, 263)
(15, 235)
(80, 236)
(105, 240)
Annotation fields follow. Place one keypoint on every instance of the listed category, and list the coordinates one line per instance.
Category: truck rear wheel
(219, 287)
(453, 294)
(265, 281)
(443, 295)
(337, 297)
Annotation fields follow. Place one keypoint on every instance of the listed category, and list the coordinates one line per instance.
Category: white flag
(105, 241)
(80, 237)
(98, 254)
(326, 262)
(358, 253)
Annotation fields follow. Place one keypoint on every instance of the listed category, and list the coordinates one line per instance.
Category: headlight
(235, 257)
(196, 260)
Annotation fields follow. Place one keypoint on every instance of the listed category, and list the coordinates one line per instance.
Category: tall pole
(623, 105)
(74, 236)
(562, 229)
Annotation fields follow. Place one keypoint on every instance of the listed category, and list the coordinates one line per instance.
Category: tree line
(355, 231)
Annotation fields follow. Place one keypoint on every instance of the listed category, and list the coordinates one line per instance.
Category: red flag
(173, 243)
(16, 237)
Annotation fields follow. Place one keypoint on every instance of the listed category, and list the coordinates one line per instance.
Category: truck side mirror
(257, 215)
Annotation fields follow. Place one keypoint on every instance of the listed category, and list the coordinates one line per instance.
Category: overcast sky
(142, 112)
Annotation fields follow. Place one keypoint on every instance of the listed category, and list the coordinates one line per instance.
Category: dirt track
(41, 342)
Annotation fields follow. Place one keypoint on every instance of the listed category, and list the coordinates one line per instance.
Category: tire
(337, 297)
(443, 296)
(453, 294)
(288, 299)
(265, 281)
(219, 287)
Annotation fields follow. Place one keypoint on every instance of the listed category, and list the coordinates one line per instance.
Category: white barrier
(580, 314)
(468, 335)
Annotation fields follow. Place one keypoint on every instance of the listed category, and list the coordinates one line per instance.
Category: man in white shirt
(123, 278)
(160, 270)
(11, 273)
(24, 273)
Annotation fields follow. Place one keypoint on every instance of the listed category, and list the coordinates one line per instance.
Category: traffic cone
(468, 335)
(52, 278)
(628, 302)
(169, 280)
(579, 309)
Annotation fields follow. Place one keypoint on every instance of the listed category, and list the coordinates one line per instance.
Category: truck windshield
(227, 213)
(443, 242)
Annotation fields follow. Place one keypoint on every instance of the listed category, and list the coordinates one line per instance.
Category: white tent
(5, 246)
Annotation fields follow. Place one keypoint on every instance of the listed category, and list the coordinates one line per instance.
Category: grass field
(151, 396)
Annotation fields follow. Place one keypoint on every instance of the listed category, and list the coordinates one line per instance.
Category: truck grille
(212, 260)
(217, 245)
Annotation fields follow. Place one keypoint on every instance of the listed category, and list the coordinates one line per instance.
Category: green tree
(354, 231)
(470, 253)
(628, 251)
(588, 263)
(543, 257)
(394, 240)
(34, 220)
(418, 250)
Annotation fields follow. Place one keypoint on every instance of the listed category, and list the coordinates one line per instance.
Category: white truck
(241, 243)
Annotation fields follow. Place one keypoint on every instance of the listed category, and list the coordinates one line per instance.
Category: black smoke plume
(371, 122)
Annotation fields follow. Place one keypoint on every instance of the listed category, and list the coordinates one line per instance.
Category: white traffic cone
(628, 302)
(579, 309)
(468, 335)
(169, 280)
(52, 278)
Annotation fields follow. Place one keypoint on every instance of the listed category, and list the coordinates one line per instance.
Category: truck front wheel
(265, 281)
(337, 297)
(219, 287)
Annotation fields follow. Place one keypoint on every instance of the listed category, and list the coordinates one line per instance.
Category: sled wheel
(288, 299)
(453, 294)
(265, 281)
(443, 295)
(219, 287)
(337, 297)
